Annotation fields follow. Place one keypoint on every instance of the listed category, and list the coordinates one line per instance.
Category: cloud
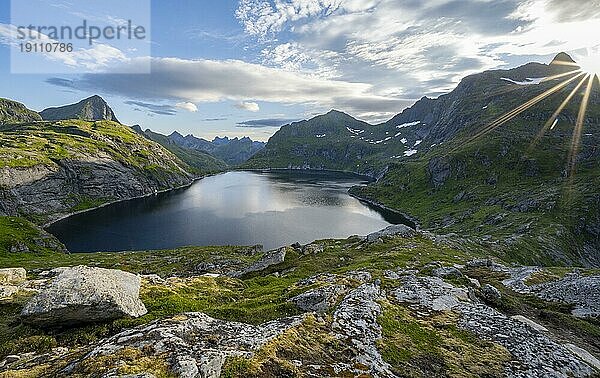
(153, 108)
(267, 122)
(249, 106)
(214, 119)
(414, 48)
(190, 107)
(197, 81)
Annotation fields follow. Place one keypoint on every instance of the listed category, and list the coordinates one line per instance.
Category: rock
(269, 259)
(11, 358)
(534, 354)
(355, 321)
(399, 230)
(19, 247)
(312, 249)
(490, 293)
(297, 246)
(518, 276)
(487, 263)
(446, 272)
(320, 299)
(583, 354)
(358, 275)
(7, 291)
(83, 294)
(12, 275)
(439, 171)
(529, 322)
(195, 344)
(431, 292)
(583, 292)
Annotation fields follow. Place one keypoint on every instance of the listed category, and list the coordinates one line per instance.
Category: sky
(246, 67)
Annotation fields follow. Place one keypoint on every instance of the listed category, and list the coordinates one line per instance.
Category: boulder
(446, 272)
(312, 249)
(12, 275)
(270, 258)
(83, 294)
(318, 300)
(391, 231)
(490, 293)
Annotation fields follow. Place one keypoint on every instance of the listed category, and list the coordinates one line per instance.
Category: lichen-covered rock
(196, 344)
(83, 294)
(534, 353)
(491, 294)
(10, 276)
(318, 300)
(445, 272)
(397, 230)
(7, 291)
(355, 321)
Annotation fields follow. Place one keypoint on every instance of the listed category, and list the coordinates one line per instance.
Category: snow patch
(528, 81)
(403, 140)
(417, 143)
(410, 152)
(354, 131)
(408, 124)
(321, 135)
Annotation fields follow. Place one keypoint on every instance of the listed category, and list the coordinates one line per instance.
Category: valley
(279, 268)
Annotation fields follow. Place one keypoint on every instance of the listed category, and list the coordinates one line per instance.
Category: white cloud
(189, 106)
(199, 81)
(249, 106)
(410, 48)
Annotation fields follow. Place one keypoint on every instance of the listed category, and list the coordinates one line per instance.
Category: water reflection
(235, 208)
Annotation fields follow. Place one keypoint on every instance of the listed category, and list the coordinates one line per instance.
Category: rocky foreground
(396, 303)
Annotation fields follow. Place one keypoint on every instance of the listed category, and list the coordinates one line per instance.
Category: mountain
(444, 163)
(233, 151)
(15, 112)
(90, 109)
(200, 161)
(331, 141)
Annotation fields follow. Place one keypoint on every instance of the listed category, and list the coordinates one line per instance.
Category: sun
(590, 63)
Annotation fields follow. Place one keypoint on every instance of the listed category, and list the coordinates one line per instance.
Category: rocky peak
(93, 108)
(562, 58)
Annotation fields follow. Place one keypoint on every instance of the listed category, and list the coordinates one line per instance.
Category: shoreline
(414, 222)
(370, 178)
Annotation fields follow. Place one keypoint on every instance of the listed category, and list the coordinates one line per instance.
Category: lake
(234, 208)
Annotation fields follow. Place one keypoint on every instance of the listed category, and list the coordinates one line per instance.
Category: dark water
(235, 208)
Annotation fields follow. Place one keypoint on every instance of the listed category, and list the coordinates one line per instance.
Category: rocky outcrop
(269, 259)
(534, 353)
(196, 343)
(83, 294)
(320, 299)
(582, 292)
(397, 230)
(53, 191)
(355, 321)
(90, 109)
(11, 276)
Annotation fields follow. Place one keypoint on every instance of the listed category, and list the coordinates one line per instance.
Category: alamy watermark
(90, 37)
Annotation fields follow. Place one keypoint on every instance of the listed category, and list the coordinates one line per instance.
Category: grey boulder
(83, 294)
(320, 299)
(391, 231)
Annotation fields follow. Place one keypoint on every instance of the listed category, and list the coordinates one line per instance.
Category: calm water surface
(235, 208)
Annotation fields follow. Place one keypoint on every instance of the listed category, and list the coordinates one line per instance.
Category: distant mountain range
(450, 164)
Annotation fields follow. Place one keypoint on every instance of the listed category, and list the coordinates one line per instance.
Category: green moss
(433, 346)
(16, 233)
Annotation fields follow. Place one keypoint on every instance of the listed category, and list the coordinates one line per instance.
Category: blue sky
(216, 65)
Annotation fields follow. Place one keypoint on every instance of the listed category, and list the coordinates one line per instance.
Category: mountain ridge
(93, 108)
